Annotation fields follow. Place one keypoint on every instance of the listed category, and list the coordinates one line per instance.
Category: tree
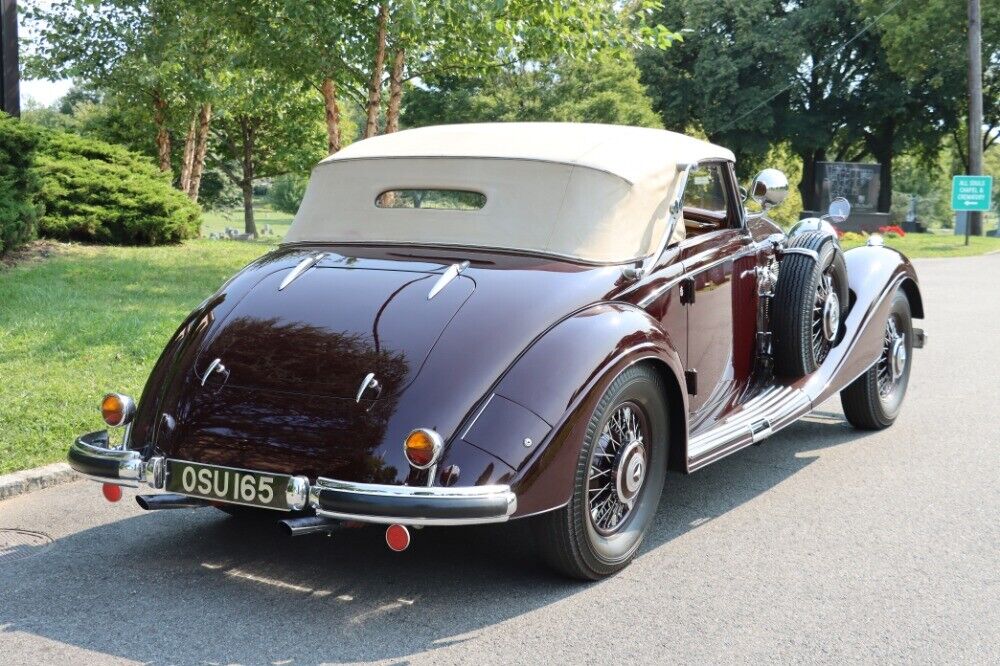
(925, 42)
(341, 48)
(267, 127)
(317, 45)
(718, 80)
(756, 73)
(157, 54)
(603, 90)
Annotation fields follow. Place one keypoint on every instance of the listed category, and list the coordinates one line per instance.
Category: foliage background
(19, 207)
(97, 192)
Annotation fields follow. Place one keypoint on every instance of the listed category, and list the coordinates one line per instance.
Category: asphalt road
(822, 545)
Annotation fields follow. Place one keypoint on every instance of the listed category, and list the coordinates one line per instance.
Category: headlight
(423, 447)
(117, 409)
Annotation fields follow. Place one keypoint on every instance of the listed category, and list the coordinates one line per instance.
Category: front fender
(874, 273)
(560, 379)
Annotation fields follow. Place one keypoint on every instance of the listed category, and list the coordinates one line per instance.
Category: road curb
(18, 483)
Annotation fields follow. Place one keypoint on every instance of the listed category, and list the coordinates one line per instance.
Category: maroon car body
(508, 362)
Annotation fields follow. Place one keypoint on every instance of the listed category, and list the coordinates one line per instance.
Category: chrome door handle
(214, 366)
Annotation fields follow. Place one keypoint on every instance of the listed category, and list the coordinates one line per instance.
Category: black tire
(799, 342)
(569, 538)
(873, 400)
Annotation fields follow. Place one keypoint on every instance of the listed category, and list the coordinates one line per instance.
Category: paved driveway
(822, 545)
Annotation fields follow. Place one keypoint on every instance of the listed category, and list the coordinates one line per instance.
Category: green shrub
(19, 209)
(287, 192)
(853, 237)
(100, 193)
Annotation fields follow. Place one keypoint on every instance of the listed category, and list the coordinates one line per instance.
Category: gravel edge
(18, 483)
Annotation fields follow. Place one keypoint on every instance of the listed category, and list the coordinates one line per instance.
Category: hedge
(19, 207)
(101, 193)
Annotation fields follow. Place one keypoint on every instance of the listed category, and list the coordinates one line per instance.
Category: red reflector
(397, 537)
(112, 493)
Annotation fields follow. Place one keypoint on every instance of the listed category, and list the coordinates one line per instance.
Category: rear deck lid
(330, 327)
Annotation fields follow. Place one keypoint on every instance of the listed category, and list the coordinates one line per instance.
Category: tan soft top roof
(592, 192)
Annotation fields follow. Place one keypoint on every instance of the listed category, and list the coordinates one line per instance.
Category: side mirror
(769, 188)
(839, 211)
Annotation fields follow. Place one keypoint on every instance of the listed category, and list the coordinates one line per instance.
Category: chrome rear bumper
(412, 505)
(92, 456)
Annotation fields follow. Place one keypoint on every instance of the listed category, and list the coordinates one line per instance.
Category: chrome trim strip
(659, 291)
(302, 267)
(449, 274)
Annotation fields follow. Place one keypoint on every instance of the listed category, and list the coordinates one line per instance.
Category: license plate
(227, 484)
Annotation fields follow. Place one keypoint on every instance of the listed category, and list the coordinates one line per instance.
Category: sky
(42, 92)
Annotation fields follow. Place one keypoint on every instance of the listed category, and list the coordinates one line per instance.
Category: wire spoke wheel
(618, 468)
(825, 317)
(892, 362)
(873, 400)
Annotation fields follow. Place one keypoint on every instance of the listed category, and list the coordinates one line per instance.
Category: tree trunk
(204, 118)
(881, 144)
(162, 135)
(332, 115)
(807, 185)
(885, 175)
(187, 162)
(246, 183)
(395, 92)
(378, 70)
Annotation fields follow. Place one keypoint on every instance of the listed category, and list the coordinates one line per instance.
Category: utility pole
(974, 223)
(10, 97)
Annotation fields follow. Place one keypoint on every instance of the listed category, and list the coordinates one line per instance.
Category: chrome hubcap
(831, 316)
(618, 468)
(898, 358)
(630, 470)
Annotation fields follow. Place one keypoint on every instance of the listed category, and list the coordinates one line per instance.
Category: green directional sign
(971, 192)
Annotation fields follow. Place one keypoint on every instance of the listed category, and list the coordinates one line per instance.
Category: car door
(718, 289)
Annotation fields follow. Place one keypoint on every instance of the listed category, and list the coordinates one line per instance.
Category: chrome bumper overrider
(92, 456)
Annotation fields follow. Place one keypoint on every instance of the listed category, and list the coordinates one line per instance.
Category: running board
(757, 419)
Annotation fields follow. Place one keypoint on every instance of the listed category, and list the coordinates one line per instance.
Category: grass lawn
(216, 221)
(938, 245)
(90, 320)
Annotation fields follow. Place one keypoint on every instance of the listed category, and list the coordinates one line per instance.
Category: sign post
(971, 193)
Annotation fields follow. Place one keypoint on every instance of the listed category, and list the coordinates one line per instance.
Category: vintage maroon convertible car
(481, 323)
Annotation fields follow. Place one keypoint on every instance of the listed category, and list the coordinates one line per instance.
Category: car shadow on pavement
(194, 586)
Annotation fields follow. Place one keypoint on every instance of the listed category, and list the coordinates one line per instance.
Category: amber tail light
(423, 447)
(117, 409)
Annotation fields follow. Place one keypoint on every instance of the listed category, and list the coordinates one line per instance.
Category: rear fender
(563, 375)
(874, 273)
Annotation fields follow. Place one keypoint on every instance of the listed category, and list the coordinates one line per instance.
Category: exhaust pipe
(309, 525)
(162, 501)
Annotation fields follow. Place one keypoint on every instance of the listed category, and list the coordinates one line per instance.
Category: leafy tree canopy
(603, 90)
